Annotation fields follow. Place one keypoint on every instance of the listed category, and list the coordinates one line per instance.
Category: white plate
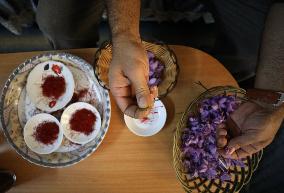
(34, 82)
(26, 109)
(75, 136)
(30, 140)
(150, 125)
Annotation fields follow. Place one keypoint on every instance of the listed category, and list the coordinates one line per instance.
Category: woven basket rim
(179, 126)
(107, 44)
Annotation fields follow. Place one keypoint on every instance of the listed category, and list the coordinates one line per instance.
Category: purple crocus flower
(156, 70)
(199, 148)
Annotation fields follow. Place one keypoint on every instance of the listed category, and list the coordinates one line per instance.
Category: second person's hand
(258, 129)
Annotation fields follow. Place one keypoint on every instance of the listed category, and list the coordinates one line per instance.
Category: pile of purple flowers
(155, 70)
(199, 144)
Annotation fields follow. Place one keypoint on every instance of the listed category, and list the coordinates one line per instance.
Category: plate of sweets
(53, 111)
(197, 162)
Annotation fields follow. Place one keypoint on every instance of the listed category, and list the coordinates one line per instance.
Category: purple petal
(225, 177)
(154, 65)
(152, 81)
(199, 138)
(151, 73)
(150, 55)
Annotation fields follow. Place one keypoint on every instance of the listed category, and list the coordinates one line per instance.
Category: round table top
(124, 162)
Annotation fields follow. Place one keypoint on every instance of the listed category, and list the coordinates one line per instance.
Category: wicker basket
(239, 176)
(162, 52)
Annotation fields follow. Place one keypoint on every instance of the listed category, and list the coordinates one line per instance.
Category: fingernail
(143, 103)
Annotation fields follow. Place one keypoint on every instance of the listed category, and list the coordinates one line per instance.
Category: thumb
(141, 88)
(241, 141)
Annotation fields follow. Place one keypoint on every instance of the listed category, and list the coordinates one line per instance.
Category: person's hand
(128, 78)
(258, 129)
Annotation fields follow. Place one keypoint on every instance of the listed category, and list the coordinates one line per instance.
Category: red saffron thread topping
(46, 132)
(52, 104)
(144, 120)
(83, 121)
(53, 86)
(56, 69)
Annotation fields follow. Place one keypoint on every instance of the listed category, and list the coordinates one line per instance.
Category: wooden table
(124, 163)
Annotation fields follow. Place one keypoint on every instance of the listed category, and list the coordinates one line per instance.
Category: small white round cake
(50, 86)
(81, 122)
(43, 133)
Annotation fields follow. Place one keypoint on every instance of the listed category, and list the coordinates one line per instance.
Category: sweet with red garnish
(52, 104)
(57, 69)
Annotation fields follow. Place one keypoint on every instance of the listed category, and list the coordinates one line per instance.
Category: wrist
(124, 43)
(125, 37)
(269, 98)
(280, 112)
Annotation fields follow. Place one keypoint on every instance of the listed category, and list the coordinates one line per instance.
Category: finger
(135, 112)
(238, 154)
(250, 149)
(241, 141)
(144, 99)
(232, 127)
(222, 152)
(247, 150)
(121, 91)
(221, 132)
(221, 142)
(154, 91)
(221, 126)
(129, 107)
(221, 137)
(141, 88)
(124, 102)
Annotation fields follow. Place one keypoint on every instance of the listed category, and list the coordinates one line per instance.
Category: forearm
(270, 71)
(124, 16)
